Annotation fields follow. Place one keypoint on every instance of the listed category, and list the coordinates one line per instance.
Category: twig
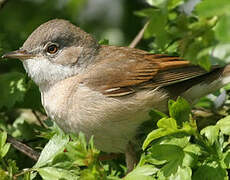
(2, 3)
(28, 151)
(23, 172)
(139, 36)
(38, 118)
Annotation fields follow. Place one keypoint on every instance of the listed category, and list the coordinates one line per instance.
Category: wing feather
(122, 74)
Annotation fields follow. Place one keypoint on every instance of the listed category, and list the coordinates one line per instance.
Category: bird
(107, 91)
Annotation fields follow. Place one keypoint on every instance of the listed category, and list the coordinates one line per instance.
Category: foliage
(180, 145)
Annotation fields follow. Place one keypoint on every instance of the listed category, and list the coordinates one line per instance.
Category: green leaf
(157, 24)
(156, 115)
(52, 148)
(209, 8)
(226, 159)
(179, 139)
(192, 153)
(211, 133)
(222, 29)
(184, 173)
(157, 3)
(174, 3)
(155, 134)
(148, 12)
(179, 110)
(166, 126)
(144, 173)
(4, 147)
(210, 171)
(104, 42)
(167, 123)
(224, 125)
(51, 173)
(172, 154)
(4, 175)
(12, 89)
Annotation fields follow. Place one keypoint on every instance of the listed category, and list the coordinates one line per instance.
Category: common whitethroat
(107, 91)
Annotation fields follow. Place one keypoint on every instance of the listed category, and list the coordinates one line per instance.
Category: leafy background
(189, 143)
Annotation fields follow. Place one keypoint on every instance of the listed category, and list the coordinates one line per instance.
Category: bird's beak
(18, 54)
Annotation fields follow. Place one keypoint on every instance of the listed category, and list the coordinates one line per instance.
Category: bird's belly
(112, 121)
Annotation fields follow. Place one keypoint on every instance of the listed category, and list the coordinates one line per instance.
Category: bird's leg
(130, 157)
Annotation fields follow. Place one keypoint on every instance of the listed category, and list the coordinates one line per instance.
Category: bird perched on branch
(107, 91)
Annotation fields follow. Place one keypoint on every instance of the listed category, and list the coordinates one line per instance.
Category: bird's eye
(52, 49)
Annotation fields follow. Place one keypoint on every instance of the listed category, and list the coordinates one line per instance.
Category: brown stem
(28, 151)
(139, 36)
(38, 118)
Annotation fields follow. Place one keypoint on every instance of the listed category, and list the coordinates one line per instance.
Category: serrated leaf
(208, 171)
(179, 139)
(166, 126)
(51, 173)
(155, 134)
(192, 153)
(224, 125)
(52, 148)
(179, 110)
(143, 173)
(172, 154)
(211, 133)
(184, 173)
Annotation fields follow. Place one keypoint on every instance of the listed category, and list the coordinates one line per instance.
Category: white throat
(45, 73)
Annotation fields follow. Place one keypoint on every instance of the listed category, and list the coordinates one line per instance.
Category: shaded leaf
(208, 171)
(12, 89)
(179, 110)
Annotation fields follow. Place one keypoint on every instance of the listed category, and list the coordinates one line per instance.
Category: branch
(28, 151)
(39, 119)
(139, 36)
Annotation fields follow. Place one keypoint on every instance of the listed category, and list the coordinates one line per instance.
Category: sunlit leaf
(211, 133)
(51, 173)
(52, 148)
(209, 8)
(143, 172)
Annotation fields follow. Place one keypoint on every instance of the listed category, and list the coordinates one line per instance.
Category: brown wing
(124, 71)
